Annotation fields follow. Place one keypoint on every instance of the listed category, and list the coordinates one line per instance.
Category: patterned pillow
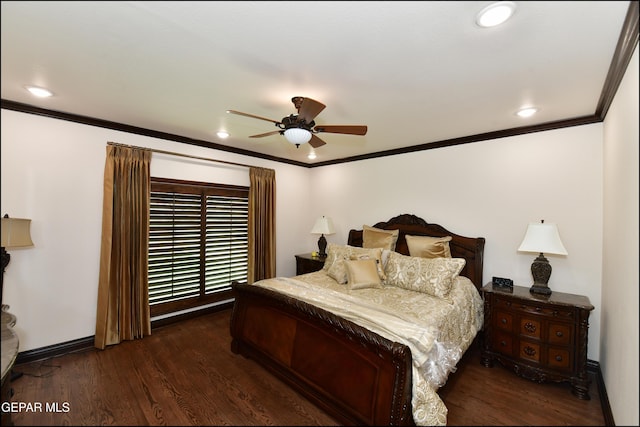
(378, 238)
(429, 247)
(334, 252)
(433, 276)
(335, 265)
(363, 273)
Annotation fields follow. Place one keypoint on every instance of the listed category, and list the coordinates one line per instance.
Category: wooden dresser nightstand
(305, 263)
(541, 337)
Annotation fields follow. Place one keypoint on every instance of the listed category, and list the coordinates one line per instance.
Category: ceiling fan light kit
(300, 128)
(297, 136)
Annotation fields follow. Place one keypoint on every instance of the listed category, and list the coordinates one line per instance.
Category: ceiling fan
(300, 128)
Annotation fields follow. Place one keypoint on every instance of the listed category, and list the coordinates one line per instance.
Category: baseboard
(84, 344)
(594, 367)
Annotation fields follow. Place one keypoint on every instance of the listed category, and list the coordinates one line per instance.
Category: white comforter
(437, 331)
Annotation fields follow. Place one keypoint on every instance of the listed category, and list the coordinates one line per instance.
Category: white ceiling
(413, 72)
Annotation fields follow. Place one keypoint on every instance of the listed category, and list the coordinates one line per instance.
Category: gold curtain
(262, 224)
(123, 287)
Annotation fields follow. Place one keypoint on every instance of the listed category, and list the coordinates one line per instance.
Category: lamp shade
(323, 225)
(16, 232)
(297, 136)
(542, 238)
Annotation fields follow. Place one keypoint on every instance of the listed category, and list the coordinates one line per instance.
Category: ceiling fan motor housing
(293, 121)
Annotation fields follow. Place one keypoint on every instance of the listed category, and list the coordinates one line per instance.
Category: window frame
(203, 189)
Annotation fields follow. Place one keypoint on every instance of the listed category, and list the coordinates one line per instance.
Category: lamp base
(6, 257)
(540, 288)
(541, 272)
(322, 245)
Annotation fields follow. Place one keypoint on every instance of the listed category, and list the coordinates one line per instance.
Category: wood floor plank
(185, 374)
(476, 395)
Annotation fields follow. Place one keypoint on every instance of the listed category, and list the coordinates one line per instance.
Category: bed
(372, 355)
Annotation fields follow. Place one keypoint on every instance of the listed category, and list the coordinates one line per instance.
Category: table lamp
(323, 226)
(15, 234)
(542, 238)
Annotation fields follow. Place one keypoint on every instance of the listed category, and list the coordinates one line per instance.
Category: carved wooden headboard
(469, 248)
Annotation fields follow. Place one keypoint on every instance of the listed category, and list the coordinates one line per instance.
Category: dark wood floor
(186, 374)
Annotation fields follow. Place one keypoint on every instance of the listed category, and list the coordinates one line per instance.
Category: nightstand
(540, 337)
(305, 263)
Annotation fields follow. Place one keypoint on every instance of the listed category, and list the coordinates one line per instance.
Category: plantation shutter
(198, 237)
(226, 242)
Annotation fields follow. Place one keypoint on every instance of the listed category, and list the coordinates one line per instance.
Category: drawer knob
(530, 327)
(559, 333)
(538, 309)
(503, 320)
(559, 358)
(503, 343)
(529, 351)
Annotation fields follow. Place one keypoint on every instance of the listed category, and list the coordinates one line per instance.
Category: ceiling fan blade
(316, 142)
(265, 134)
(346, 129)
(308, 108)
(252, 116)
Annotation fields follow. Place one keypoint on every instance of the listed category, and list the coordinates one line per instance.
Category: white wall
(52, 173)
(619, 344)
(490, 189)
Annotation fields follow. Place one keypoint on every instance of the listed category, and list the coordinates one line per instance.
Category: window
(198, 237)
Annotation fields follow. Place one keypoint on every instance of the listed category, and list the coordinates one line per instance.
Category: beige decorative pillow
(433, 276)
(378, 238)
(335, 265)
(363, 273)
(335, 252)
(429, 247)
(338, 270)
(385, 257)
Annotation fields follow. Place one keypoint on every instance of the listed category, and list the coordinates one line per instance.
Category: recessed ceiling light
(39, 91)
(495, 14)
(527, 112)
(312, 155)
(222, 134)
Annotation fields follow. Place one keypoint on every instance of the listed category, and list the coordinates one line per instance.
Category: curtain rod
(171, 153)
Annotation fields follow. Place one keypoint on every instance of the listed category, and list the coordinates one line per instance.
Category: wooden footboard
(355, 375)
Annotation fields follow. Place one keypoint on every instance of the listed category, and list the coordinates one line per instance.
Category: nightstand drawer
(545, 311)
(559, 358)
(560, 312)
(504, 343)
(559, 334)
(504, 321)
(503, 303)
(530, 327)
(530, 351)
